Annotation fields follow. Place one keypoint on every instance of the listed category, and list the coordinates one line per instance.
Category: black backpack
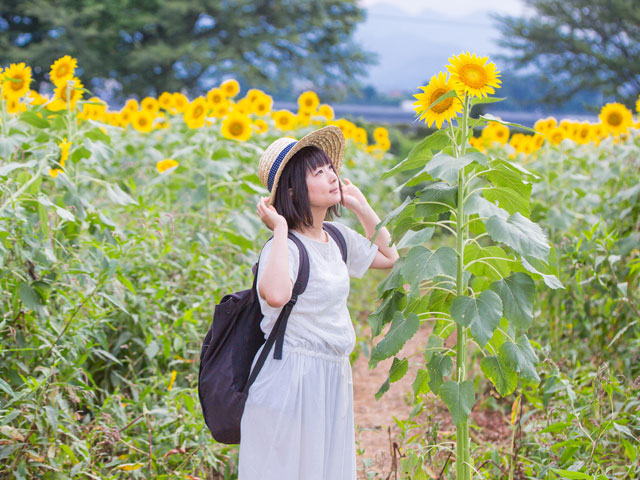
(232, 342)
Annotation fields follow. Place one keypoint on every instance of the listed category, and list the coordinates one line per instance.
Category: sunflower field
(121, 228)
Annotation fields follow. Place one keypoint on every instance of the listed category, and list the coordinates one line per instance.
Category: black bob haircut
(295, 207)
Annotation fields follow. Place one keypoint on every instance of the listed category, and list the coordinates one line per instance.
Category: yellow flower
(196, 113)
(216, 96)
(384, 144)
(243, 106)
(444, 110)
(128, 467)
(474, 74)
(308, 101)
(164, 100)
(64, 150)
(36, 98)
(16, 80)
(551, 123)
(14, 105)
(54, 172)
(236, 127)
(285, 120)
(584, 133)
(347, 127)
(150, 104)
(230, 87)
(253, 95)
(304, 118)
(161, 166)
(69, 92)
(263, 105)
(638, 104)
(360, 135)
(179, 102)
(142, 121)
(132, 105)
(616, 118)
(173, 379)
(125, 116)
(221, 110)
(495, 132)
(555, 135)
(326, 111)
(63, 69)
(380, 133)
(260, 126)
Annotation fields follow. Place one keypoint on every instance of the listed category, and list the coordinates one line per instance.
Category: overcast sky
(454, 7)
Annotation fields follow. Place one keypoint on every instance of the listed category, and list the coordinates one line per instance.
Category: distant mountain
(413, 48)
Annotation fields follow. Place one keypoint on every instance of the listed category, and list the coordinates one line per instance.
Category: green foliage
(151, 47)
(578, 45)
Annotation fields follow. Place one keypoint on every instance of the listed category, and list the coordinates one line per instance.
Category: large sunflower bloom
(616, 118)
(236, 127)
(216, 96)
(444, 110)
(476, 76)
(62, 70)
(16, 80)
(196, 113)
(231, 88)
(285, 120)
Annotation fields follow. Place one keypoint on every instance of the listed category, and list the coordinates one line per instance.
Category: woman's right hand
(269, 216)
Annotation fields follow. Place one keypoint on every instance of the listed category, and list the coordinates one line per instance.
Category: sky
(415, 38)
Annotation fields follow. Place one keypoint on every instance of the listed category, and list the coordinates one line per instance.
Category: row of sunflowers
(237, 118)
(472, 74)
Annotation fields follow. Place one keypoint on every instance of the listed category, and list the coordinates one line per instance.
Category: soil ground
(375, 427)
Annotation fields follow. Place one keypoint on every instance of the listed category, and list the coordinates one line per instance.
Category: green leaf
(439, 366)
(383, 389)
(394, 279)
(459, 399)
(482, 314)
(398, 369)
(477, 204)
(446, 167)
(119, 196)
(431, 199)
(479, 100)
(401, 330)
(491, 118)
(385, 311)
(29, 297)
(434, 344)
(516, 293)
(511, 200)
(571, 474)
(519, 233)
(496, 370)
(392, 215)
(414, 238)
(521, 359)
(33, 119)
(540, 269)
(421, 153)
(423, 264)
(492, 268)
(421, 383)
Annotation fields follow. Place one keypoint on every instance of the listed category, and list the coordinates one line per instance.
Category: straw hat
(329, 139)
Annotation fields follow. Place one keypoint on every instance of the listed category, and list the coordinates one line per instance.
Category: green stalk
(463, 471)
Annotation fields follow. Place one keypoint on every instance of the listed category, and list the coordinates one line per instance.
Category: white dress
(297, 422)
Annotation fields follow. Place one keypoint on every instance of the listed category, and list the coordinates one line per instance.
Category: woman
(297, 422)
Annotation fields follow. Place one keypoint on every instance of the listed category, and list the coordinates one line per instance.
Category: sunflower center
(17, 85)
(284, 120)
(142, 121)
(62, 70)
(236, 128)
(614, 119)
(444, 104)
(198, 111)
(473, 76)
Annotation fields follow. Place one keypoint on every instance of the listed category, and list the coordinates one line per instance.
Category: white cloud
(453, 7)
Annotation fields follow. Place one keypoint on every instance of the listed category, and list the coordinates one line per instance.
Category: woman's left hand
(352, 197)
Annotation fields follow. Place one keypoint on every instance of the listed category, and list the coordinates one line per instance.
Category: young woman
(297, 422)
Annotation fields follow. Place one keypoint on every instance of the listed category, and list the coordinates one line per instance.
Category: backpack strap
(338, 238)
(277, 333)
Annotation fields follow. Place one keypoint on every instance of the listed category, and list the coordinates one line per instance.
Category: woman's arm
(275, 285)
(358, 204)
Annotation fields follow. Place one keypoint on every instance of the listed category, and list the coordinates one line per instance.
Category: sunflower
(360, 135)
(253, 95)
(142, 121)
(164, 100)
(237, 127)
(384, 144)
(125, 117)
(132, 105)
(231, 87)
(638, 104)
(556, 135)
(285, 120)
(380, 133)
(165, 164)
(14, 105)
(347, 127)
(308, 101)
(584, 133)
(495, 132)
(326, 111)
(304, 118)
(150, 104)
(221, 110)
(538, 141)
(260, 126)
(179, 102)
(216, 96)
(16, 80)
(474, 74)
(69, 92)
(196, 113)
(36, 98)
(263, 105)
(64, 150)
(616, 118)
(62, 70)
(441, 111)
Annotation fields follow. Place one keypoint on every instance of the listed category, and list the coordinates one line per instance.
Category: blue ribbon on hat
(276, 165)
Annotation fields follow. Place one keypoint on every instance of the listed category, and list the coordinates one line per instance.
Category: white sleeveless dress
(297, 422)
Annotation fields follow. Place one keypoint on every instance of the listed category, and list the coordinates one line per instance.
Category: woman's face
(323, 186)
